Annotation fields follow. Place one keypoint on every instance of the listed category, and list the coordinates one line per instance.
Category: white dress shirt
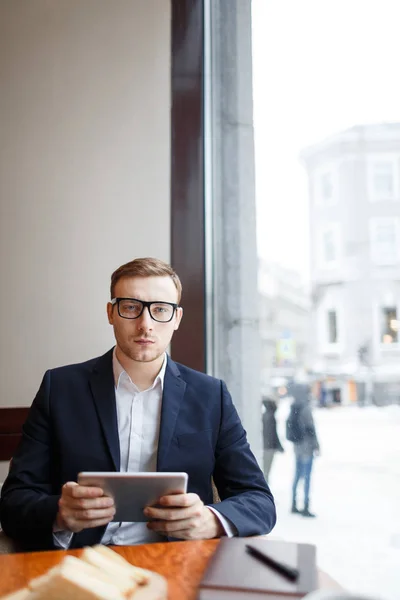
(138, 416)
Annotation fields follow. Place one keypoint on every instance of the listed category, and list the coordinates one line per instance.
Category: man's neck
(142, 374)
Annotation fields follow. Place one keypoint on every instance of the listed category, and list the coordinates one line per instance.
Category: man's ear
(178, 317)
(110, 313)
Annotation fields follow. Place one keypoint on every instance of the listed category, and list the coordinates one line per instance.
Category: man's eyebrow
(140, 300)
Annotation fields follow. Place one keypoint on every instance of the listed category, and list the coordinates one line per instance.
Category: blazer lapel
(103, 389)
(174, 390)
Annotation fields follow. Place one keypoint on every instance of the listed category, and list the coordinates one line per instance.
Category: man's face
(143, 339)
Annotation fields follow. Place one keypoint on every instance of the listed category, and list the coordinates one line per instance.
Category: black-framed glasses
(131, 308)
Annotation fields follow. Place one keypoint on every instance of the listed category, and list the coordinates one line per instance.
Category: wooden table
(181, 563)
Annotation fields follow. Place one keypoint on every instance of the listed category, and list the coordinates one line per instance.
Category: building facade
(354, 189)
(284, 324)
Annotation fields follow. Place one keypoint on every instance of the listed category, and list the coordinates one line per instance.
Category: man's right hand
(83, 507)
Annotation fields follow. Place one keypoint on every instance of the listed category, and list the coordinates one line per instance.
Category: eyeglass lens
(132, 309)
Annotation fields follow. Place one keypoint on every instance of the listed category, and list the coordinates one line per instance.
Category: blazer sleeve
(246, 499)
(28, 505)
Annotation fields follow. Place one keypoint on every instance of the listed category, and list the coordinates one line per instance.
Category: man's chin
(142, 355)
(145, 356)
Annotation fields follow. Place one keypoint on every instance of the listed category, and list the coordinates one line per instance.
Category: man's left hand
(185, 517)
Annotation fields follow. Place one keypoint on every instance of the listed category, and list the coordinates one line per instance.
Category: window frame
(394, 345)
(373, 194)
(374, 222)
(329, 169)
(329, 312)
(333, 304)
(335, 229)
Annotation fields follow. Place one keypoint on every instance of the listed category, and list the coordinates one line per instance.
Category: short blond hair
(145, 267)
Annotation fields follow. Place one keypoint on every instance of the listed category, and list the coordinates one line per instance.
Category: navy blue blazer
(72, 427)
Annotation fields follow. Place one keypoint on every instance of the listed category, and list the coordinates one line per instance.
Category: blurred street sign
(285, 350)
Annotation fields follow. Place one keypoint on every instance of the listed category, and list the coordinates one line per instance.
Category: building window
(330, 246)
(326, 187)
(383, 180)
(385, 240)
(332, 327)
(390, 325)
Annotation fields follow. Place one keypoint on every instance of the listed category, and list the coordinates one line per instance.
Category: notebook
(233, 573)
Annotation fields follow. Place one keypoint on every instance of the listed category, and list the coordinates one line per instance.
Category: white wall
(84, 172)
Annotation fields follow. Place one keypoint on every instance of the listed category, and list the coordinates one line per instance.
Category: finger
(89, 514)
(76, 525)
(74, 490)
(93, 514)
(179, 500)
(87, 503)
(172, 514)
(168, 527)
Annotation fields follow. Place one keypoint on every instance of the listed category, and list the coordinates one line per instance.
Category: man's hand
(82, 507)
(183, 516)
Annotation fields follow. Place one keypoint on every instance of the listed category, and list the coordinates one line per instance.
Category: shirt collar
(120, 372)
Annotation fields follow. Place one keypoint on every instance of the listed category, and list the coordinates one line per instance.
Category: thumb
(67, 487)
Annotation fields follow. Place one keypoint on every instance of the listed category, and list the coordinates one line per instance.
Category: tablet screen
(132, 492)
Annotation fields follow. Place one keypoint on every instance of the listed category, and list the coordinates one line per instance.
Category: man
(300, 430)
(133, 409)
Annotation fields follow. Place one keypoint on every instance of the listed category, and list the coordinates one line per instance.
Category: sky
(319, 67)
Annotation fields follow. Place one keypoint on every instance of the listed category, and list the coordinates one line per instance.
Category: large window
(327, 151)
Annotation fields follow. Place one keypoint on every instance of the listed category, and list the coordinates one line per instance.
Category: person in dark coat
(306, 446)
(272, 443)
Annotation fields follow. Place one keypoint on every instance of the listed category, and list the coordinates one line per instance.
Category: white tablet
(132, 492)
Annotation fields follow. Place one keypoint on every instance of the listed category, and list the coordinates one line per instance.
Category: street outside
(355, 493)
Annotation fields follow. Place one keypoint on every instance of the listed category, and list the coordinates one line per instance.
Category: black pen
(288, 572)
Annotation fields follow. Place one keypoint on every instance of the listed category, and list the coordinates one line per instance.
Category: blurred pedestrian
(323, 395)
(300, 429)
(272, 443)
